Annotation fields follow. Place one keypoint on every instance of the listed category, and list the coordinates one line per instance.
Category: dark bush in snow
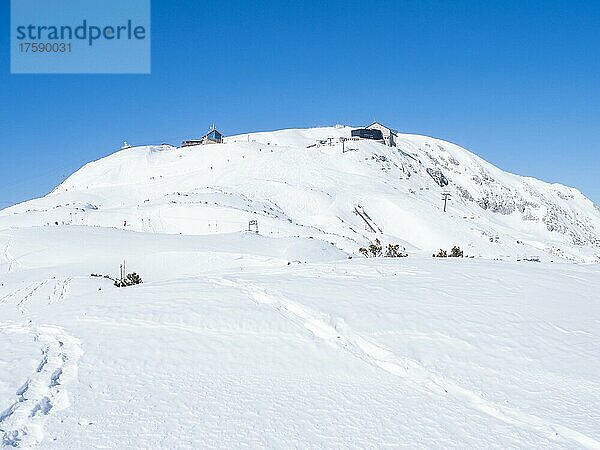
(393, 251)
(130, 280)
(374, 250)
(456, 252)
(441, 254)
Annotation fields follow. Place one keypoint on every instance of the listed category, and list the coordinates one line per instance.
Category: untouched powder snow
(289, 338)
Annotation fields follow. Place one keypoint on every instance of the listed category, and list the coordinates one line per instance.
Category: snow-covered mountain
(293, 187)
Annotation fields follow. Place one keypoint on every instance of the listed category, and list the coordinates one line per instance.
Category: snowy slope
(288, 338)
(293, 190)
(417, 352)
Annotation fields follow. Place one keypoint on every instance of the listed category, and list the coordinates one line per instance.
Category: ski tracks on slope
(60, 290)
(336, 332)
(11, 261)
(22, 295)
(43, 392)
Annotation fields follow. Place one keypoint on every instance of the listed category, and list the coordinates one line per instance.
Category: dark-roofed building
(367, 133)
(389, 135)
(214, 136)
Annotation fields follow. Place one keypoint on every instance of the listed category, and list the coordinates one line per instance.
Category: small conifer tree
(456, 252)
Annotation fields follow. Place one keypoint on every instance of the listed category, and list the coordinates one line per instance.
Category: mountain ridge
(297, 185)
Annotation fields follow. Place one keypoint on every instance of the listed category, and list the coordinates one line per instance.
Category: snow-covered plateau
(290, 337)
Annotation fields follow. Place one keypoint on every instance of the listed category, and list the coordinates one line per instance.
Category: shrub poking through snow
(375, 250)
(393, 251)
(130, 280)
(456, 252)
(97, 275)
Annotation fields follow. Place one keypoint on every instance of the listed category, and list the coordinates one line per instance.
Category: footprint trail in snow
(44, 391)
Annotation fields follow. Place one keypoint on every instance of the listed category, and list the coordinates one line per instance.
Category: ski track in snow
(25, 293)
(59, 291)
(336, 332)
(43, 392)
(11, 261)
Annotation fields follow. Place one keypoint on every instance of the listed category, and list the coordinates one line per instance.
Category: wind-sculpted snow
(335, 331)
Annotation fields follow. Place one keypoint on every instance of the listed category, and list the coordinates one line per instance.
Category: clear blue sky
(516, 82)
